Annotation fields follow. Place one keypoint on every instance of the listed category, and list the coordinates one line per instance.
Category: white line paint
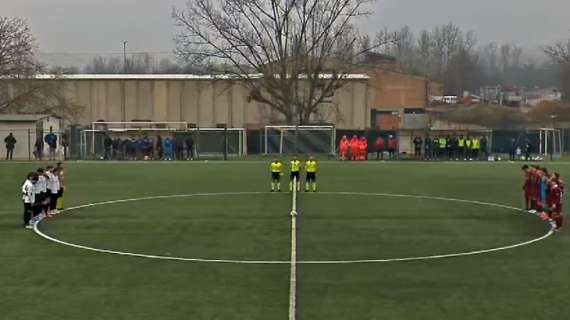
(160, 257)
(293, 265)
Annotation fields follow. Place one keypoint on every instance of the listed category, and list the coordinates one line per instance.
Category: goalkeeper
(295, 173)
(311, 178)
(275, 168)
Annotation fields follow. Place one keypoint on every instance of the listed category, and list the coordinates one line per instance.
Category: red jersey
(527, 186)
(393, 143)
(363, 145)
(344, 144)
(380, 144)
(554, 199)
(354, 143)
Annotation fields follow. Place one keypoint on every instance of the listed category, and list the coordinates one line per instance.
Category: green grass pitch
(40, 279)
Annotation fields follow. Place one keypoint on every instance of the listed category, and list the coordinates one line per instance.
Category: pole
(29, 145)
(225, 142)
(125, 56)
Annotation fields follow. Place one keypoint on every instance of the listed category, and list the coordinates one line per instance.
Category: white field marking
(293, 266)
(160, 257)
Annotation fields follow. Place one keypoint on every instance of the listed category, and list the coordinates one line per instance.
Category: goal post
(220, 142)
(299, 140)
(550, 143)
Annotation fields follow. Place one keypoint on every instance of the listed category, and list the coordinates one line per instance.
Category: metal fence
(31, 145)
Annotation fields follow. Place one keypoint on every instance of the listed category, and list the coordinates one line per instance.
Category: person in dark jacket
(10, 142)
(189, 148)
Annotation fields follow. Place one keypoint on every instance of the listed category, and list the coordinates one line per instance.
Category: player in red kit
(554, 205)
(527, 187)
(354, 147)
(344, 148)
(363, 148)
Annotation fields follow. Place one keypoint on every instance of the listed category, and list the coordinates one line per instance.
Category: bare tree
(425, 49)
(20, 89)
(17, 61)
(291, 54)
(560, 53)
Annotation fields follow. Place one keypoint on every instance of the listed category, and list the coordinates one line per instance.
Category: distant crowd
(146, 148)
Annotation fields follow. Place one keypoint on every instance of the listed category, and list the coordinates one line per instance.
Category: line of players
(276, 169)
(356, 149)
(42, 194)
(544, 194)
(451, 148)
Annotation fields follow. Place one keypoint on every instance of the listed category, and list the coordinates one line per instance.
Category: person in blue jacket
(168, 148)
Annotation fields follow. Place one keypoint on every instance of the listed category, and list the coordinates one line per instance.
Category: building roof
(170, 77)
(22, 117)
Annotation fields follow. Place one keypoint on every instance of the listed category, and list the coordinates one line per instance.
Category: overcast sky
(100, 26)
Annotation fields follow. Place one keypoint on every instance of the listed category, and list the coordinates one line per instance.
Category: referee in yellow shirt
(275, 168)
(311, 178)
(295, 173)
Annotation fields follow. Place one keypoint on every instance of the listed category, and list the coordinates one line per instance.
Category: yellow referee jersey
(276, 167)
(295, 165)
(311, 166)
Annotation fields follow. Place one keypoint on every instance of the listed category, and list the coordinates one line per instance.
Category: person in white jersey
(28, 198)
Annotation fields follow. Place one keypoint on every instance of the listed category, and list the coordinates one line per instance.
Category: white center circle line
(268, 262)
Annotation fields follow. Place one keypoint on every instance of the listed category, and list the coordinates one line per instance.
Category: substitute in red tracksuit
(344, 148)
(363, 148)
(354, 147)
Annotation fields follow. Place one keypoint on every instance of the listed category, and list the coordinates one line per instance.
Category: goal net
(219, 142)
(146, 140)
(299, 140)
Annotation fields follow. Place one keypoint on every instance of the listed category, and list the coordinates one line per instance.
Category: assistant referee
(311, 178)
(275, 168)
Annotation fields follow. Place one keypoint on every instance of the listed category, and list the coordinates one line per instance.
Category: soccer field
(368, 244)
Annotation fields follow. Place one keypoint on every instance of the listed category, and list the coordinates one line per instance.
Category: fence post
(29, 145)
(225, 142)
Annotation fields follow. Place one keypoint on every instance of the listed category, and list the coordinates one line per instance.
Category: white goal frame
(242, 139)
(550, 135)
(284, 128)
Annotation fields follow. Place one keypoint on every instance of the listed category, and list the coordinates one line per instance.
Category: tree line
(453, 56)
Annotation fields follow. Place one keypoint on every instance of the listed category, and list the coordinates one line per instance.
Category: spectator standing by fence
(484, 148)
(418, 147)
(189, 148)
(393, 147)
(39, 148)
(10, 142)
(380, 146)
(51, 140)
(107, 145)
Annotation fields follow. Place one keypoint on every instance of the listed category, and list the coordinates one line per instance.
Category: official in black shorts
(311, 177)
(295, 174)
(275, 176)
